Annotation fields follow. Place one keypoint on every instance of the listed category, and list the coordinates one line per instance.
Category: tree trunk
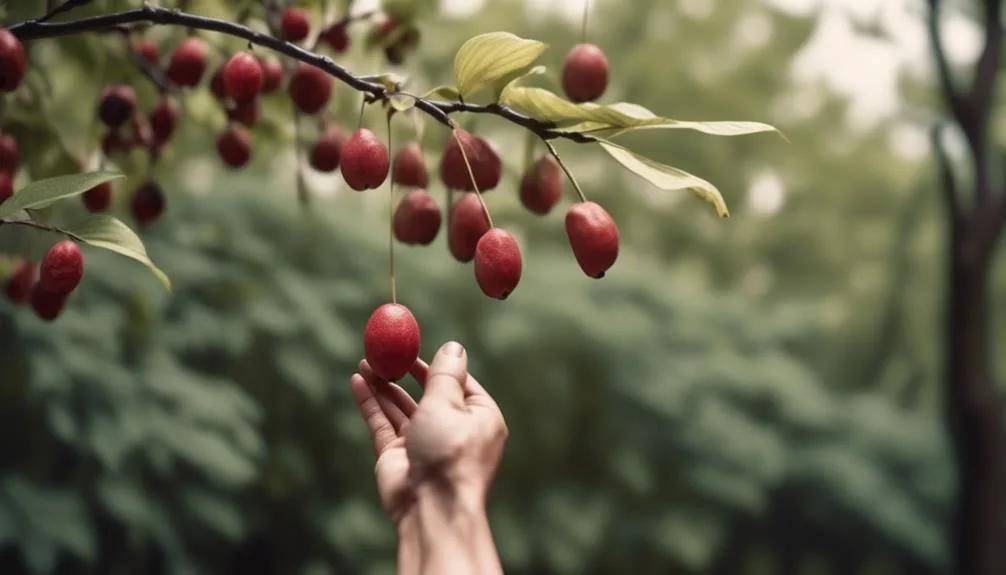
(974, 416)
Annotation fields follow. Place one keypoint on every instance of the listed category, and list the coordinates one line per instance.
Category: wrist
(450, 526)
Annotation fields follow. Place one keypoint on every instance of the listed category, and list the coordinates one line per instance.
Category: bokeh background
(751, 396)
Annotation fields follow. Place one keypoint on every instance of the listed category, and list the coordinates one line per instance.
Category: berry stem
(471, 174)
(583, 23)
(569, 174)
(391, 222)
(363, 106)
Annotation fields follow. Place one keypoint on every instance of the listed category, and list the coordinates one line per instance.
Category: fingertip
(419, 371)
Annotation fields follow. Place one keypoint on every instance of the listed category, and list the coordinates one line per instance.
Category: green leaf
(443, 93)
(104, 231)
(634, 117)
(493, 59)
(44, 192)
(546, 106)
(401, 102)
(665, 177)
(513, 79)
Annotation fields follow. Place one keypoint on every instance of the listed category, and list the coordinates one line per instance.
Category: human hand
(448, 445)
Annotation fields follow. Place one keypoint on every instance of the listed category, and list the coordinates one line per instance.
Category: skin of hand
(436, 461)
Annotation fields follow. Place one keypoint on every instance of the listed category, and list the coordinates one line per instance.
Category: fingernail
(453, 348)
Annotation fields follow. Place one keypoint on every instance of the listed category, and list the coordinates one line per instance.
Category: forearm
(448, 534)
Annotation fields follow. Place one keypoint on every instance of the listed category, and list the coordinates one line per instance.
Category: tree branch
(948, 184)
(376, 91)
(988, 62)
(951, 94)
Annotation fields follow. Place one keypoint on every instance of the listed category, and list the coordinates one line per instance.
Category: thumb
(446, 376)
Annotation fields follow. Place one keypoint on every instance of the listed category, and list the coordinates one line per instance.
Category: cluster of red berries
(12, 68)
(47, 286)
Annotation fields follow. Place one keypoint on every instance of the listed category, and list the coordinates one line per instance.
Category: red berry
(10, 154)
(409, 168)
(497, 263)
(365, 161)
(593, 236)
(585, 73)
(395, 54)
(310, 88)
(188, 62)
(113, 143)
(485, 163)
(62, 268)
(541, 186)
(391, 341)
(327, 150)
(466, 225)
(6, 186)
(148, 50)
(20, 284)
(272, 76)
(246, 114)
(234, 146)
(116, 105)
(98, 198)
(217, 86)
(148, 203)
(12, 61)
(47, 304)
(417, 219)
(163, 120)
(243, 77)
(294, 24)
(336, 37)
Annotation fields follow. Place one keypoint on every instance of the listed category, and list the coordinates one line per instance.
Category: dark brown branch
(945, 75)
(439, 110)
(988, 62)
(948, 184)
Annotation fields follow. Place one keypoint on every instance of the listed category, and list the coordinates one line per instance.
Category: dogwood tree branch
(370, 86)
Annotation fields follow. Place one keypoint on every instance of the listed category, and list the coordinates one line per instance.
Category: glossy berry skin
(148, 203)
(541, 186)
(47, 304)
(391, 341)
(409, 168)
(243, 77)
(585, 73)
(12, 61)
(485, 163)
(245, 114)
(188, 62)
(365, 161)
(116, 105)
(327, 150)
(272, 76)
(62, 268)
(310, 88)
(20, 284)
(6, 186)
(10, 154)
(98, 198)
(465, 227)
(336, 37)
(498, 263)
(593, 236)
(149, 51)
(417, 219)
(294, 24)
(234, 146)
(164, 120)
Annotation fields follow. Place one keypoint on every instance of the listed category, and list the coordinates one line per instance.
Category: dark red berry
(498, 263)
(148, 203)
(10, 154)
(98, 198)
(485, 163)
(6, 186)
(234, 146)
(20, 284)
(12, 61)
(294, 24)
(148, 50)
(188, 62)
(246, 114)
(541, 185)
(62, 268)
(310, 88)
(409, 168)
(217, 86)
(116, 105)
(336, 37)
(365, 161)
(417, 219)
(272, 76)
(467, 224)
(112, 143)
(593, 236)
(47, 304)
(163, 120)
(327, 150)
(243, 77)
(585, 73)
(391, 341)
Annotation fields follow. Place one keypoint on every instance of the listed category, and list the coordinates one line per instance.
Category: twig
(63, 8)
(38, 226)
(948, 184)
(439, 110)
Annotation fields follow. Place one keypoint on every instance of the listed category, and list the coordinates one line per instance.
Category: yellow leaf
(493, 60)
